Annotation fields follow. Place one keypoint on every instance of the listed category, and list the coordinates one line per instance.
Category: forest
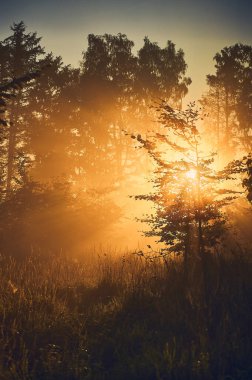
(96, 157)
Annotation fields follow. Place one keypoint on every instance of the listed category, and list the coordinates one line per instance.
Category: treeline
(64, 153)
(228, 101)
(63, 148)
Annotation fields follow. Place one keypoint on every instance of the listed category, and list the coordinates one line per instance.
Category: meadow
(124, 317)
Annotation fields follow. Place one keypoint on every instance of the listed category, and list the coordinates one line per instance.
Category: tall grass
(124, 318)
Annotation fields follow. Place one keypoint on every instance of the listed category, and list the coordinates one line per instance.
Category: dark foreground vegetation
(125, 318)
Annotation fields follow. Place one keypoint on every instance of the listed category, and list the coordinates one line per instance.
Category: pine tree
(23, 54)
(8, 92)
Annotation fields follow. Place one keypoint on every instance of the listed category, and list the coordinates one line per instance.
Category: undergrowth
(124, 319)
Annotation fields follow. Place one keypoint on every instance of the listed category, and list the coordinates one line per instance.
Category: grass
(124, 318)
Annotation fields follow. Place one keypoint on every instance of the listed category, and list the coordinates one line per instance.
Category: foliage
(228, 101)
(22, 52)
(8, 91)
(247, 182)
(115, 88)
(68, 124)
(161, 72)
(244, 167)
(189, 193)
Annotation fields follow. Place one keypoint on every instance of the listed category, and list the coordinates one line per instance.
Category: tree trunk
(218, 126)
(11, 151)
(227, 132)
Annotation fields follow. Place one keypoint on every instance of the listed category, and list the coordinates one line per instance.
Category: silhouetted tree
(116, 93)
(106, 87)
(8, 92)
(68, 124)
(247, 182)
(189, 196)
(52, 120)
(161, 73)
(243, 168)
(23, 53)
(244, 105)
(228, 101)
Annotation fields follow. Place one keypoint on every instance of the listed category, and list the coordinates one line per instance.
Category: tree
(7, 93)
(106, 88)
(52, 120)
(161, 73)
(214, 119)
(68, 124)
(247, 182)
(22, 53)
(228, 101)
(189, 194)
(244, 107)
(36, 214)
(115, 94)
(243, 167)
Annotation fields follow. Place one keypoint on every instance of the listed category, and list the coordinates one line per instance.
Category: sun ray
(191, 174)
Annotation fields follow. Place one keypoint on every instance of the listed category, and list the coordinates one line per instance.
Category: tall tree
(24, 52)
(8, 92)
(106, 87)
(162, 72)
(244, 106)
(117, 89)
(52, 120)
(230, 106)
(189, 193)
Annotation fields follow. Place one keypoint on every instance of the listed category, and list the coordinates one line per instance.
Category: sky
(201, 28)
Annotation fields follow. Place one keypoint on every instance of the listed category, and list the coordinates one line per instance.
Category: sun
(191, 174)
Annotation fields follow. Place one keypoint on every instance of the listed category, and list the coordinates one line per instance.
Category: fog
(71, 156)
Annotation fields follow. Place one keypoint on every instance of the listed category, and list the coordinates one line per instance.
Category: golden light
(191, 174)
